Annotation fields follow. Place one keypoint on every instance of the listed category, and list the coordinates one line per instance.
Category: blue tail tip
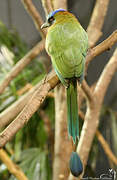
(75, 163)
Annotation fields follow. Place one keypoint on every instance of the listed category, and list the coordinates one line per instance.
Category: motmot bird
(67, 45)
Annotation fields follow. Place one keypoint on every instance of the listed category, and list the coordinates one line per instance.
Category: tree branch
(12, 167)
(47, 125)
(60, 4)
(12, 111)
(35, 16)
(100, 48)
(21, 64)
(34, 103)
(106, 77)
(87, 91)
(97, 21)
(49, 131)
(103, 142)
(47, 5)
(61, 152)
(24, 89)
(106, 148)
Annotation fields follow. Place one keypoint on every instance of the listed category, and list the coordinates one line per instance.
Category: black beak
(45, 25)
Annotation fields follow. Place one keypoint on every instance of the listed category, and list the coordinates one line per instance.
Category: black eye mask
(51, 20)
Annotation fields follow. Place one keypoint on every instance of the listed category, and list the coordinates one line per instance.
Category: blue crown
(54, 12)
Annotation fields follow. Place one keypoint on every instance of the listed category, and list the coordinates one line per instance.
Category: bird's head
(51, 18)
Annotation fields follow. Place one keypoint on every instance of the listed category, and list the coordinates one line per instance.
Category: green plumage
(67, 44)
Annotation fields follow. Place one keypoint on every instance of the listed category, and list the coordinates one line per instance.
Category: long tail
(72, 110)
(76, 166)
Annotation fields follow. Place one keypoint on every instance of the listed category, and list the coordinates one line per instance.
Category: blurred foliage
(33, 161)
(29, 148)
(12, 41)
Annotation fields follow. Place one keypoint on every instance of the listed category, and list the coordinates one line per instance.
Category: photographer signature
(110, 176)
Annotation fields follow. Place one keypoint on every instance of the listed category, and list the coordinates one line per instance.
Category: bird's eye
(51, 19)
